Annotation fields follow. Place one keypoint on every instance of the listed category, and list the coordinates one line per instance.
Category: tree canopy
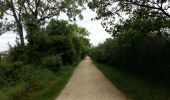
(141, 37)
(111, 10)
(32, 14)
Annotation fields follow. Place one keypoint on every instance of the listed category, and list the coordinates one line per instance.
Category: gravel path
(88, 83)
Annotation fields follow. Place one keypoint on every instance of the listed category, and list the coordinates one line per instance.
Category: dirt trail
(88, 83)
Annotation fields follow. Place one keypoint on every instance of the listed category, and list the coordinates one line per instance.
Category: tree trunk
(20, 32)
(10, 4)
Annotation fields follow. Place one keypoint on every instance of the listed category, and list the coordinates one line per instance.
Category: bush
(8, 72)
(26, 73)
(145, 55)
(53, 63)
(41, 77)
(60, 43)
(31, 79)
(13, 92)
(18, 53)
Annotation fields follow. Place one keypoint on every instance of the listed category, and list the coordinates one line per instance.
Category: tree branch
(151, 7)
(28, 4)
(11, 5)
(9, 14)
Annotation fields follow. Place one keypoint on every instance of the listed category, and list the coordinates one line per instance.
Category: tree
(141, 41)
(59, 37)
(108, 7)
(110, 10)
(67, 39)
(32, 14)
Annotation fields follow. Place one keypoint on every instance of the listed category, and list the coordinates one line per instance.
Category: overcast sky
(97, 32)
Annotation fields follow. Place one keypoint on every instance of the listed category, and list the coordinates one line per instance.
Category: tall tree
(32, 14)
(108, 7)
(110, 10)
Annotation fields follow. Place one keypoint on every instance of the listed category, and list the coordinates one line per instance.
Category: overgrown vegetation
(145, 56)
(139, 46)
(140, 43)
(51, 46)
(54, 86)
(134, 87)
(31, 67)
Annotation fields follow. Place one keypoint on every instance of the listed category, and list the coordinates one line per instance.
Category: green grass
(54, 87)
(44, 86)
(18, 89)
(13, 92)
(134, 87)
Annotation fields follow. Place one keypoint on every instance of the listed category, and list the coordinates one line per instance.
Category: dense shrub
(31, 66)
(141, 54)
(9, 72)
(52, 63)
(31, 79)
(140, 45)
(58, 38)
(13, 92)
(17, 52)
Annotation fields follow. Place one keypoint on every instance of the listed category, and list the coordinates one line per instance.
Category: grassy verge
(135, 88)
(53, 87)
(38, 79)
(13, 92)
(45, 85)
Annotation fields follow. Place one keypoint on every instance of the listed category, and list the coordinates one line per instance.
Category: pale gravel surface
(88, 83)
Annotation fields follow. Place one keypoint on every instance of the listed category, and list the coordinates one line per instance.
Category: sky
(97, 32)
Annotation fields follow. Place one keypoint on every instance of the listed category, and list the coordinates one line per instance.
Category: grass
(54, 87)
(134, 87)
(13, 92)
(17, 89)
(45, 86)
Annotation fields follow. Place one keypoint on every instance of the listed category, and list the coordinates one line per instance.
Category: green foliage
(140, 43)
(31, 15)
(8, 72)
(31, 80)
(135, 88)
(58, 38)
(52, 62)
(140, 54)
(13, 92)
(36, 87)
(17, 52)
(35, 64)
(114, 12)
(55, 86)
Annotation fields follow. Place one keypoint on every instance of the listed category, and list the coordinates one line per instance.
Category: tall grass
(21, 87)
(54, 87)
(45, 86)
(134, 87)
